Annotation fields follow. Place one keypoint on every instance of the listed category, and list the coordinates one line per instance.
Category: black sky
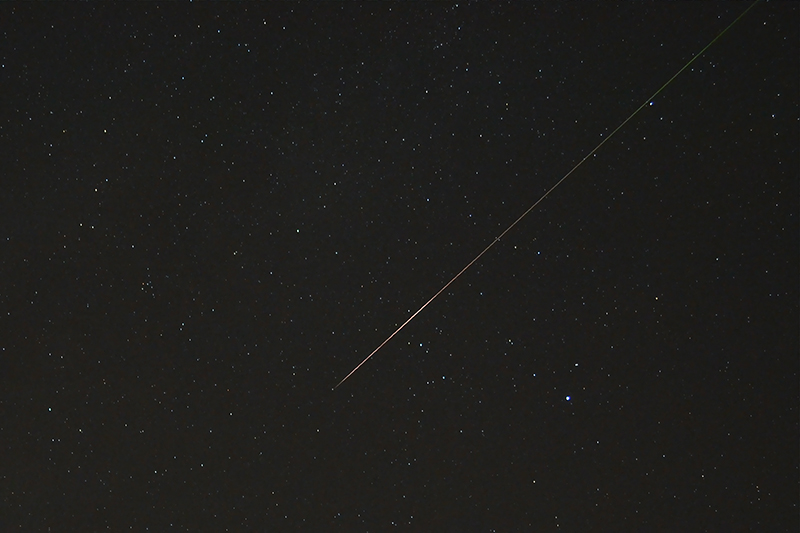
(211, 213)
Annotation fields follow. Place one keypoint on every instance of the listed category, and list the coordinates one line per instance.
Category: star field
(211, 213)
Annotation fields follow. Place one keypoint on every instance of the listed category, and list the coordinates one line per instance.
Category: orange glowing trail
(551, 189)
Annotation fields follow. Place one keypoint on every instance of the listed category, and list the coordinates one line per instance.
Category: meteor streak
(546, 194)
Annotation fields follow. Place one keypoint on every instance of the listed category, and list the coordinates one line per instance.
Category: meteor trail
(551, 189)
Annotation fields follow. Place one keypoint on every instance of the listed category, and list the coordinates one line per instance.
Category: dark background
(211, 213)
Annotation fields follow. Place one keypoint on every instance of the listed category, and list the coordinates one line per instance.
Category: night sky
(209, 214)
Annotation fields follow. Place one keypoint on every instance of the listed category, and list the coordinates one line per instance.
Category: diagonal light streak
(551, 189)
